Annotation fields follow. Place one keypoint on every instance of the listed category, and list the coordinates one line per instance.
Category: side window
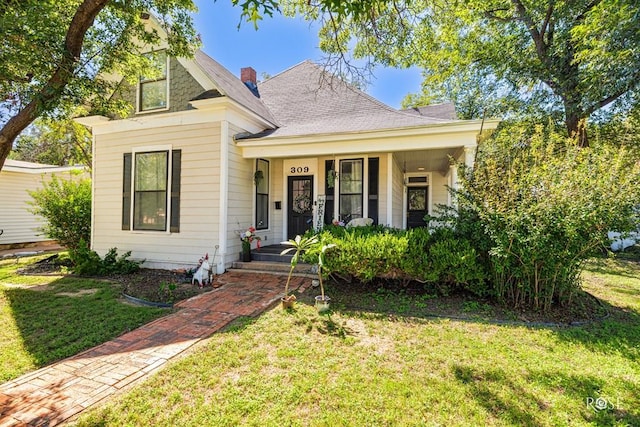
(262, 194)
(150, 191)
(146, 201)
(351, 180)
(152, 92)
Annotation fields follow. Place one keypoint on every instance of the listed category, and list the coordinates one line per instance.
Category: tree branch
(74, 39)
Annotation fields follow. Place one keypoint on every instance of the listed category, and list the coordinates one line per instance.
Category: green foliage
(55, 142)
(58, 54)
(570, 58)
(299, 245)
(439, 257)
(60, 318)
(65, 204)
(544, 206)
(88, 263)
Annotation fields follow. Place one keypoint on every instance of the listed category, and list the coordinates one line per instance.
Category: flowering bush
(249, 236)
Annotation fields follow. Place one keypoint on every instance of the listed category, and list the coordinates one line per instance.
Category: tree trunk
(52, 90)
(576, 128)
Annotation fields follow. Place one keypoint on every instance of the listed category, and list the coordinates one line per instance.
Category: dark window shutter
(374, 178)
(126, 192)
(175, 190)
(329, 165)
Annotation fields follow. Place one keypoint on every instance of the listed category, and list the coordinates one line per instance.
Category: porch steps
(271, 253)
(277, 268)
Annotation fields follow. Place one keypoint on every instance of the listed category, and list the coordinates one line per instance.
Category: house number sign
(300, 166)
(299, 169)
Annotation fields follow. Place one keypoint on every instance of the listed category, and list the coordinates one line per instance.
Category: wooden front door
(417, 206)
(300, 209)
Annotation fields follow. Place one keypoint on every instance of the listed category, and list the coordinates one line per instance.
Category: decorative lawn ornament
(202, 274)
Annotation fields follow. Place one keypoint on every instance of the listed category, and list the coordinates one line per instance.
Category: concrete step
(260, 255)
(301, 270)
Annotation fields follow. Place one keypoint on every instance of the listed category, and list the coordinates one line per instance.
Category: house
(206, 154)
(19, 227)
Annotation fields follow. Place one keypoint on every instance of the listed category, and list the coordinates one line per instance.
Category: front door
(417, 208)
(300, 209)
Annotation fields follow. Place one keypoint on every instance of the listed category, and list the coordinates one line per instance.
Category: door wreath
(302, 203)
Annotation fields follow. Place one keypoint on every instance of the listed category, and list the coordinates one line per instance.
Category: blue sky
(280, 43)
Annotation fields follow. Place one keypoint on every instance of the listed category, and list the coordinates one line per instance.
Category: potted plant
(298, 245)
(322, 300)
(246, 237)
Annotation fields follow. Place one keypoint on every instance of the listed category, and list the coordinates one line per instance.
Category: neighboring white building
(206, 154)
(19, 226)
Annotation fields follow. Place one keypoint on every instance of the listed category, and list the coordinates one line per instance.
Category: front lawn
(360, 367)
(49, 317)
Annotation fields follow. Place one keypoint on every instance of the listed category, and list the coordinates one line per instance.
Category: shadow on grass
(504, 399)
(70, 315)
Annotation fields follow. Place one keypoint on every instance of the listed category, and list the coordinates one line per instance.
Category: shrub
(539, 205)
(88, 263)
(438, 257)
(66, 207)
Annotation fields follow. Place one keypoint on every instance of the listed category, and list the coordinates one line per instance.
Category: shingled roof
(307, 100)
(230, 86)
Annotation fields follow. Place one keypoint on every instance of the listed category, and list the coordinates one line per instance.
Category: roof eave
(426, 129)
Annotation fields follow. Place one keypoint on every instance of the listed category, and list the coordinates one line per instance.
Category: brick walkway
(62, 390)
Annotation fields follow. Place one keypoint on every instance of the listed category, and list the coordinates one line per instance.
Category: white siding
(19, 224)
(241, 191)
(199, 195)
(438, 188)
(398, 195)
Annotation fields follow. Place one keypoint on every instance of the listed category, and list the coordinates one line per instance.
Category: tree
(56, 142)
(575, 57)
(52, 54)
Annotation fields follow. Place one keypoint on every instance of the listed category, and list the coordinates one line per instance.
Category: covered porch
(393, 177)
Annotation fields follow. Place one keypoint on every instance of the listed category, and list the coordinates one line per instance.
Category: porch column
(470, 155)
(453, 179)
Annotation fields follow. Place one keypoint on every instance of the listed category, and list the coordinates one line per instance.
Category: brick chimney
(248, 75)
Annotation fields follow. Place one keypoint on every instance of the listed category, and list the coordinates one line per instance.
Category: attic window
(153, 90)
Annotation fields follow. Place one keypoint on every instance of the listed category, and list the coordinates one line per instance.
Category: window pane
(263, 185)
(150, 198)
(151, 171)
(150, 211)
(262, 211)
(350, 189)
(153, 95)
(351, 176)
(350, 207)
(159, 61)
(417, 199)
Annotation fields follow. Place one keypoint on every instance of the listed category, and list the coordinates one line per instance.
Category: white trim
(363, 142)
(93, 192)
(168, 148)
(196, 71)
(255, 194)
(407, 185)
(205, 111)
(167, 80)
(390, 162)
(224, 189)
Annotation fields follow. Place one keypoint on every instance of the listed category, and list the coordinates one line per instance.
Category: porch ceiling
(430, 160)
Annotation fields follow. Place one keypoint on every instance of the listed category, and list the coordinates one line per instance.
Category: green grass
(46, 318)
(364, 368)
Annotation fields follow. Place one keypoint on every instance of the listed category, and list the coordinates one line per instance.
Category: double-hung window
(153, 89)
(262, 194)
(151, 190)
(351, 189)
